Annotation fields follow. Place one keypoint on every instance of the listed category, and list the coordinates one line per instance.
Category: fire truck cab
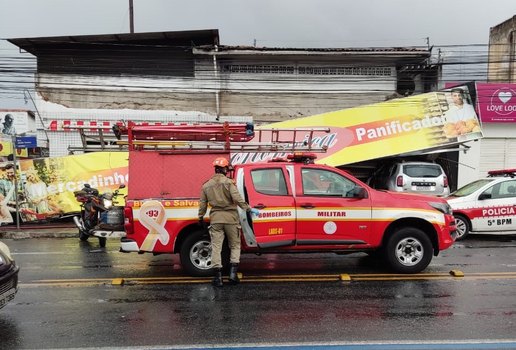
(304, 207)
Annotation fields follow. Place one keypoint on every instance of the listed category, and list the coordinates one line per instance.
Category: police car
(486, 205)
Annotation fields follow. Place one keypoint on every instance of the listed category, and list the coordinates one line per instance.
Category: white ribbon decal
(152, 216)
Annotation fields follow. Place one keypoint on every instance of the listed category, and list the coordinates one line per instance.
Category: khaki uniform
(222, 195)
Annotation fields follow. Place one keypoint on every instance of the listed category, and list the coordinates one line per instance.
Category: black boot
(217, 278)
(233, 277)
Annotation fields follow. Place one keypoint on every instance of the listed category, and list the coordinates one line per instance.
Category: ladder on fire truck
(96, 139)
(237, 137)
(196, 137)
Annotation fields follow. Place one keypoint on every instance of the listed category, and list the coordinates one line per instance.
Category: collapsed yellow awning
(391, 128)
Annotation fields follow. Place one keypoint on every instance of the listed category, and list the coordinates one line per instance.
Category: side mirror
(357, 192)
(484, 196)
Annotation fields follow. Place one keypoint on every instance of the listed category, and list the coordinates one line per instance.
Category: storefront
(496, 107)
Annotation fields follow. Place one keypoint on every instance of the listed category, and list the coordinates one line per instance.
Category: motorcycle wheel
(102, 241)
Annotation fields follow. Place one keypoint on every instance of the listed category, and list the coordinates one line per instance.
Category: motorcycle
(100, 216)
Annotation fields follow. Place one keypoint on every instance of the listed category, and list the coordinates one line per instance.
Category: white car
(417, 177)
(486, 205)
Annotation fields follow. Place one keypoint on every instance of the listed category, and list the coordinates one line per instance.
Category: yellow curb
(457, 273)
(117, 282)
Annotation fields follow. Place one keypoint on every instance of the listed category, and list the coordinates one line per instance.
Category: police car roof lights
(502, 172)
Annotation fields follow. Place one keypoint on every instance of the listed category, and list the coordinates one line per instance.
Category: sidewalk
(46, 230)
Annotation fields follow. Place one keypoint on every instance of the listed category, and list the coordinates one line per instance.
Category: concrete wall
(265, 97)
(470, 163)
(263, 107)
(501, 69)
(502, 52)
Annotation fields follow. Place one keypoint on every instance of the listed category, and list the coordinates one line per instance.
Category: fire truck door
(329, 209)
(267, 189)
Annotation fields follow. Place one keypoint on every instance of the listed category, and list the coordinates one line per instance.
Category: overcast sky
(273, 23)
(296, 23)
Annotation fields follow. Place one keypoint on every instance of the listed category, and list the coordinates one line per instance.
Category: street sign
(26, 142)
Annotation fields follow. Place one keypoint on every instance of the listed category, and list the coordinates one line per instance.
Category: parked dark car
(8, 276)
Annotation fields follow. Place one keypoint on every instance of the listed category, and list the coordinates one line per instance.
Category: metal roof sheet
(203, 40)
(408, 52)
(195, 37)
(415, 49)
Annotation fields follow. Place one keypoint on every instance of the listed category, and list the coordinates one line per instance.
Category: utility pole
(131, 17)
(13, 140)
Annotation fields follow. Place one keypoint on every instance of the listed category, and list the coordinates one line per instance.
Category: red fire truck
(304, 207)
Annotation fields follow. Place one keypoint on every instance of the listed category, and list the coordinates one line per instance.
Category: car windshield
(421, 170)
(470, 188)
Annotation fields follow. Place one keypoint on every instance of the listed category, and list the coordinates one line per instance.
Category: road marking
(345, 277)
(372, 345)
(118, 281)
(457, 273)
(122, 281)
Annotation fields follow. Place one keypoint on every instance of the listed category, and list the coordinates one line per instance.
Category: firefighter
(222, 195)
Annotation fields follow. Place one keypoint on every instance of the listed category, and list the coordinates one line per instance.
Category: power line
(21, 70)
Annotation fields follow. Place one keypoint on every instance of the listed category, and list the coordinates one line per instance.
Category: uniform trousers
(217, 234)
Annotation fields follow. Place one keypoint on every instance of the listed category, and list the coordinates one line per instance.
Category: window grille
(353, 71)
(258, 69)
(306, 70)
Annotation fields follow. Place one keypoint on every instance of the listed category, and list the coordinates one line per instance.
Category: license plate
(424, 188)
(7, 297)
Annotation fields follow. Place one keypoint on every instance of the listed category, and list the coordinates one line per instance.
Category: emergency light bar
(296, 157)
(502, 172)
(302, 157)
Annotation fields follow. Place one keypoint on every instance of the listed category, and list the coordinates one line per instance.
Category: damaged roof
(203, 42)
(178, 38)
(395, 55)
(410, 49)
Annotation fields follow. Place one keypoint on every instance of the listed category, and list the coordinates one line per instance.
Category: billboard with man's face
(46, 185)
(16, 122)
(410, 124)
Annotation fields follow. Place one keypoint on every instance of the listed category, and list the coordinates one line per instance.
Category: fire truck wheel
(409, 250)
(463, 227)
(102, 241)
(195, 254)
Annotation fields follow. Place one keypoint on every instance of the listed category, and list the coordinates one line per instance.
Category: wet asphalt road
(67, 299)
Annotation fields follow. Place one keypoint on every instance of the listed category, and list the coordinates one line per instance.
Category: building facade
(497, 149)
(189, 77)
(502, 52)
